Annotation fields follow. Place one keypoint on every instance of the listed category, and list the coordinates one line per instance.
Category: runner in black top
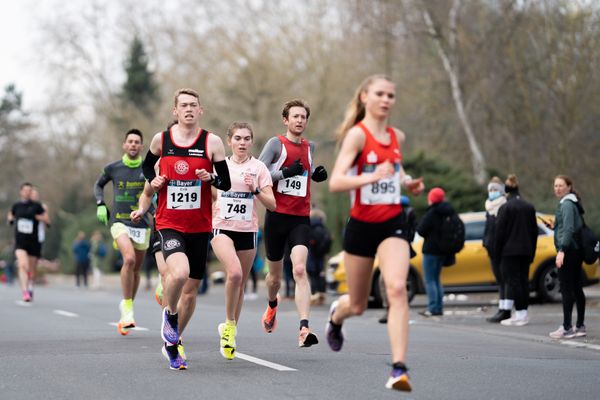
(131, 239)
(25, 216)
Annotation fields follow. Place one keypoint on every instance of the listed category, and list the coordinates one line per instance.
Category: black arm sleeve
(148, 165)
(222, 180)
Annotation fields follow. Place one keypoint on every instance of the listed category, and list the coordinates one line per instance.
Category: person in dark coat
(496, 198)
(433, 257)
(515, 244)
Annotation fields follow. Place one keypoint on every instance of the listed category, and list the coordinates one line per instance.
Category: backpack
(590, 246)
(452, 234)
(587, 240)
(320, 240)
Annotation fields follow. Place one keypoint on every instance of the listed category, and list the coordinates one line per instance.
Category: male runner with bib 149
(183, 218)
(289, 159)
(131, 239)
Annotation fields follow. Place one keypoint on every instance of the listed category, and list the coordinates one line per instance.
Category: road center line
(66, 313)
(264, 363)
(137, 328)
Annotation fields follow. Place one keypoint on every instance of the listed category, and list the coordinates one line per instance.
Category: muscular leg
(246, 258)
(273, 278)
(359, 271)
(129, 265)
(394, 258)
(187, 303)
(176, 276)
(302, 293)
(139, 260)
(224, 249)
(23, 266)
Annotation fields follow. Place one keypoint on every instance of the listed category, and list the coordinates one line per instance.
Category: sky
(17, 43)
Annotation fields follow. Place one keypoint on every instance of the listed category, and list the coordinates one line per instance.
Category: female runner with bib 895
(369, 167)
(235, 225)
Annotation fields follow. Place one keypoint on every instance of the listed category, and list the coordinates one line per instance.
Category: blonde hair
(355, 111)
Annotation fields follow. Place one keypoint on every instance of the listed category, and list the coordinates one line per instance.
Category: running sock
(230, 322)
(400, 365)
(508, 304)
(335, 326)
(273, 303)
(303, 323)
(172, 318)
(128, 304)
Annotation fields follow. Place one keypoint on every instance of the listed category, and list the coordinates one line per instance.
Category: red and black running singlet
(378, 201)
(185, 202)
(292, 195)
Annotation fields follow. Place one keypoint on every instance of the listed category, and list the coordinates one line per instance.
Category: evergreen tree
(139, 90)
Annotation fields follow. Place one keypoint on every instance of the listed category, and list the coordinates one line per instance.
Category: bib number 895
(382, 187)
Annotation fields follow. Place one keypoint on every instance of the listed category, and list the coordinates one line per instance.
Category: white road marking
(581, 345)
(137, 328)
(66, 313)
(264, 363)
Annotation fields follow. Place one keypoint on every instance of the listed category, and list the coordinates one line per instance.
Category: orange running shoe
(269, 318)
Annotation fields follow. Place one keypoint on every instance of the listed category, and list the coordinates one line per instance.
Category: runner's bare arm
(352, 146)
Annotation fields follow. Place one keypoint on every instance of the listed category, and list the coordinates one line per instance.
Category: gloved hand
(319, 174)
(295, 169)
(102, 213)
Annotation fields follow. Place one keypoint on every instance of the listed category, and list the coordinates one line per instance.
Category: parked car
(472, 271)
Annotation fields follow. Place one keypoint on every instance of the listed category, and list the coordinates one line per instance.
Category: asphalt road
(64, 346)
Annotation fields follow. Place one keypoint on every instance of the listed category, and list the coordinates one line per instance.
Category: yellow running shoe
(158, 293)
(181, 351)
(126, 322)
(227, 342)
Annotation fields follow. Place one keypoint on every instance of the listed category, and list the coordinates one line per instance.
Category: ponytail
(355, 111)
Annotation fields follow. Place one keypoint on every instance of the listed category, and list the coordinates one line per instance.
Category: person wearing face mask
(496, 198)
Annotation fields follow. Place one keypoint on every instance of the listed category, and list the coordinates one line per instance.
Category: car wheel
(548, 287)
(411, 285)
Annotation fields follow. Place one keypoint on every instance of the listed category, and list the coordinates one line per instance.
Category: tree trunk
(477, 158)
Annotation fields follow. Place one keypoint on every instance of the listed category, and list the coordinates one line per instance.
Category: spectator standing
(515, 243)
(434, 256)
(496, 198)
(81, 251)
(567, 224)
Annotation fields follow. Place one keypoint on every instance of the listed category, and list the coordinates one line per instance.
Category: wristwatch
(257, 191)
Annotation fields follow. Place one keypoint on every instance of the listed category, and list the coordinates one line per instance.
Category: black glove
(319, 174)
(295, 169)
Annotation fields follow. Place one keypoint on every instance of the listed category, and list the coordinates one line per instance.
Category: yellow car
(472, 271)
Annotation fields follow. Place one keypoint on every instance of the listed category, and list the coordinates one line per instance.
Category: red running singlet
(185, 202)
(378, 201)
(293, 194)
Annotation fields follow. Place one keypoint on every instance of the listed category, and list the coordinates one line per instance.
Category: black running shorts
(283, 228)
(363, 238)
(241, 240)
(193, 245)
